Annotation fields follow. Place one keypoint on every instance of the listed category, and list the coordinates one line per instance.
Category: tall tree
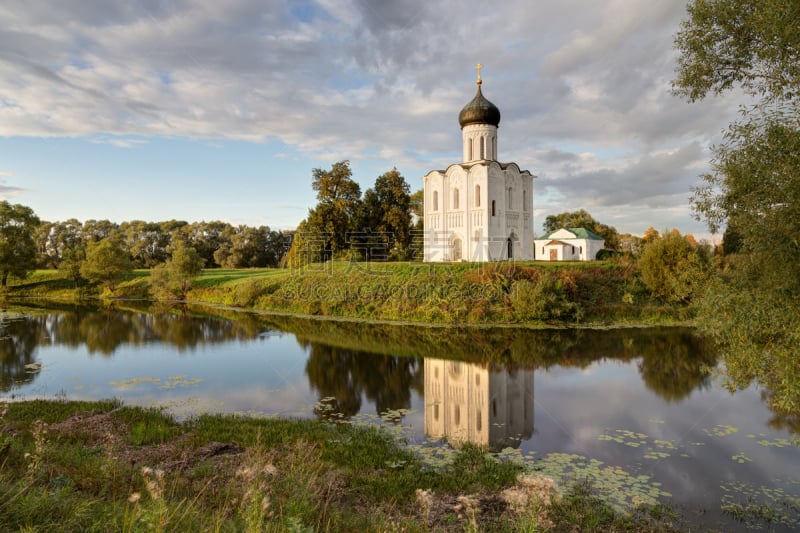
(106, 263)
(582, 219)
(335, 215)
(754, 46)
(17, 246)
(386, 214)
(750, 44)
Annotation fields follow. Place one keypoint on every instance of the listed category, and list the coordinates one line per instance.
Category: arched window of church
(492, 207)
(494, 147)
(524, 200)
(477, 196)
(469, 150)
(509, 198)
(477, 236)
(478, 421)
(457, 415)
(455, 198)
(436, 411)
(435, 200)
(483, 147)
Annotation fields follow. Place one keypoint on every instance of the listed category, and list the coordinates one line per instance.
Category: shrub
(544, 300)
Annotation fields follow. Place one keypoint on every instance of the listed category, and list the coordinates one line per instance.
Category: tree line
(94, 248)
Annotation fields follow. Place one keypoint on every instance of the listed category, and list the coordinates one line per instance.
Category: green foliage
(673, 269)
(175, 276)
(753, 187)
(17, 247)
(582, 219)
(752, 44)
(106, 263)
(545, 299)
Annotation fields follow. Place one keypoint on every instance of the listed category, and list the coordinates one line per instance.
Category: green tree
(673, 269)
(582, 219)
(753, 186)
(175, 276)
(335, 214)
(17, 246)
(386, 212)
(106, 263)
(750, 44)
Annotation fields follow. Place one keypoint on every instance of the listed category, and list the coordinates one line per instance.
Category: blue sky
(197, 110)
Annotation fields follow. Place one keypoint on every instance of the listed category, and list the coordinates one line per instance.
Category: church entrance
(510, 248)
(553, 254)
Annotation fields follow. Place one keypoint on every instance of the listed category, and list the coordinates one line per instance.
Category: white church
(479, 209)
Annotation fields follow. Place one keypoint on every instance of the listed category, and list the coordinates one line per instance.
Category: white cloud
(355, 78)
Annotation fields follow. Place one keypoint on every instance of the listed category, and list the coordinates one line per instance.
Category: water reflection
(471, 402)
(342, 377)
(103, 330)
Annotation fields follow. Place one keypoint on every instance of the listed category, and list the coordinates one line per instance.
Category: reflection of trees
(674, 365)
(346, 375)
(104, 330)
(674, 361)
(19, 337)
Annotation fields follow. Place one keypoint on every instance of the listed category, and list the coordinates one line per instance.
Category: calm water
(642, 410)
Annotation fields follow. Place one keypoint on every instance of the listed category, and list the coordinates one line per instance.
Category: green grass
(91, 467)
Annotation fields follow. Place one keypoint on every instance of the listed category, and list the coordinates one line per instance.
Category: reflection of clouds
(570, 418)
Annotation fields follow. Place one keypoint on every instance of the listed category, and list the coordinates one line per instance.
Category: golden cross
(479, 67)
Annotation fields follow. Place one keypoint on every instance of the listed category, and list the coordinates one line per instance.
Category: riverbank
(530, 294)
(99, 466)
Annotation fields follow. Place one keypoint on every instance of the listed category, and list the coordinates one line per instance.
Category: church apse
(470, 402)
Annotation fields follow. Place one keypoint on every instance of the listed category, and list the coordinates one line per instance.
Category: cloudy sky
(219, 110)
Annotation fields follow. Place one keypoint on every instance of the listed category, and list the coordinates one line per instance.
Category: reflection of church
(467, 402)
(479, 209)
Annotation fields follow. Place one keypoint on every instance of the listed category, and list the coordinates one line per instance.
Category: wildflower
(425, 500)
(135, 497)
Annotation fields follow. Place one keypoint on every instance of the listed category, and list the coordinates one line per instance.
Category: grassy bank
(76, 466)
(465, 293)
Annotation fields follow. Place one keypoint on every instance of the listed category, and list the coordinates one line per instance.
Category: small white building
(479, 209)
(572, 244)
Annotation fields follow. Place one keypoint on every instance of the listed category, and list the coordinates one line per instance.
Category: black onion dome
(479, 111)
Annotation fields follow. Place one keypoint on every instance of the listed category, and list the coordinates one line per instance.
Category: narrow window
(469, 149)
(494, 148)
(436, 411)
(580, 250)
(479, 422)
(457, 415)
(542, 251)
(573, 249)
(477, 235)
(524, 200)
(455, 198)
(435, 200)
(477, 196)
(492, 207)
(483, 147)
(509, 198)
